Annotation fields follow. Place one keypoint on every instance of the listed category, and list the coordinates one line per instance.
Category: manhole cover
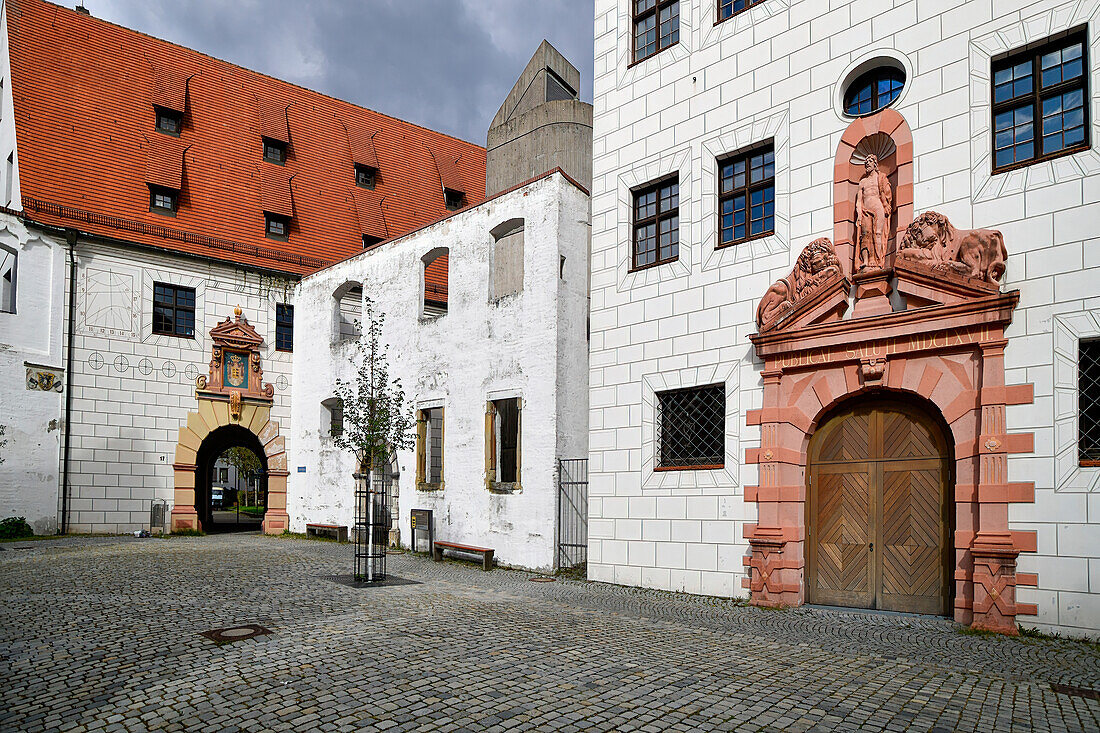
(541, 579)
(236, 633)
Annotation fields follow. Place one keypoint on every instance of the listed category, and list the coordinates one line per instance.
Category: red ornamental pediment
(235, 362)
(237, 333)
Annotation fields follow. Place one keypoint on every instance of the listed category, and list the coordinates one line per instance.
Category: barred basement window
(746, 195)
(173, 310)
(1044, 85)
(691, 428)
(657, 223)
(656, 26)
(730, 8)
(284, 327)
(1088, 402)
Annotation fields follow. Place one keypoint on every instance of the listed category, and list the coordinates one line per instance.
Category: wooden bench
(335, 531)
(486, 553)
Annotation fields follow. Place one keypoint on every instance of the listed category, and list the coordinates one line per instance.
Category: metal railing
(572, 533)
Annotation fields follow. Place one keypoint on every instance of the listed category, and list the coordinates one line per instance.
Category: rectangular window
(657, 223)
(163, 200)
(453, 200)
(1088, 402)
(691, 428)
(730, 8)
(173, 310)
(656, 26)
(364, 176)
(274, 151)
(1040, 102)
(284, 327)
(429, 448)
(169, 121)
(503, 443)
(7, 279)
(276, 227)
(746, 195)
(224, 475)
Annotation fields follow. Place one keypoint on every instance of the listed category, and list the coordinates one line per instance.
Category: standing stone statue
(874, 205)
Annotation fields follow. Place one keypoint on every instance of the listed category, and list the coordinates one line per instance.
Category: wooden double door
(879, 510)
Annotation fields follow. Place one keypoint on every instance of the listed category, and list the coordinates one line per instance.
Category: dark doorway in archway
(231, 481)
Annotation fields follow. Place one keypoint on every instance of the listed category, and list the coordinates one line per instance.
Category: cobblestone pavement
(104, 634)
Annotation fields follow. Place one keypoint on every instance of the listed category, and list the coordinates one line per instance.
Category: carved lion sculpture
(817, 263)
(976, 253)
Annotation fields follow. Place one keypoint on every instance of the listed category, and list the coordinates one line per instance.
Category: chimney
(81, 9)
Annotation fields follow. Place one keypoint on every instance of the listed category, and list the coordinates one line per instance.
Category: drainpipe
(70, 239)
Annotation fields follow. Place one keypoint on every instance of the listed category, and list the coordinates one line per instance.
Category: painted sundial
(108, 303)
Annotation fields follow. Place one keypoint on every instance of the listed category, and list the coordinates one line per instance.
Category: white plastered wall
(523, 345)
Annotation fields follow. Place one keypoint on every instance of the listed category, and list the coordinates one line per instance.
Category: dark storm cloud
(444, 64)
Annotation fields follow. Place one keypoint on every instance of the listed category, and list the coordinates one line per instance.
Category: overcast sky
(443, 64)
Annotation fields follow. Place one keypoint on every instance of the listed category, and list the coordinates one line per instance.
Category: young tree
(377, 422)
(3, 443)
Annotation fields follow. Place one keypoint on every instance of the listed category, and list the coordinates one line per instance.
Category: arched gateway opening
(879, 514)
(234, 409)
(219, 507)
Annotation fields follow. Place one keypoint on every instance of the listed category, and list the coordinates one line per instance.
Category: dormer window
(163, 200)
(276, 227)
(168, 121)
(274, 151)
(364, 176)
(454, 200)
(370, 240)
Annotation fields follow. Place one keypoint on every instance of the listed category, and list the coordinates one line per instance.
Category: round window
(873, 90)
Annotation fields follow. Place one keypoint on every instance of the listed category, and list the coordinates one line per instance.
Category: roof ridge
(254, 71)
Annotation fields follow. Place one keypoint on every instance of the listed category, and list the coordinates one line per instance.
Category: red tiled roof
(271, 118)
(368, 207)
(164, 161)
(361, 143)
(449, 174)
(84, 92)
(275, 196)
(169, 88)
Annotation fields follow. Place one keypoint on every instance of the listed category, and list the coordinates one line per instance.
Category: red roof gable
(84, 91)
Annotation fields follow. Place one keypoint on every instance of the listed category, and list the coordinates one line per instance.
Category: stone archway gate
(942, 339)
(232, 394)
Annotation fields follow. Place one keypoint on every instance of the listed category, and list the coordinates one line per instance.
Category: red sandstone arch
(953, 357)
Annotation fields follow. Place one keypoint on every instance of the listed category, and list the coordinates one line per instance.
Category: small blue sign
(301, 469)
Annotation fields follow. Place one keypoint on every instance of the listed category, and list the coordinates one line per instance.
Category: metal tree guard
(372, 528)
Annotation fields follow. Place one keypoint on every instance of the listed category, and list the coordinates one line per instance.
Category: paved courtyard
(104, 634)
